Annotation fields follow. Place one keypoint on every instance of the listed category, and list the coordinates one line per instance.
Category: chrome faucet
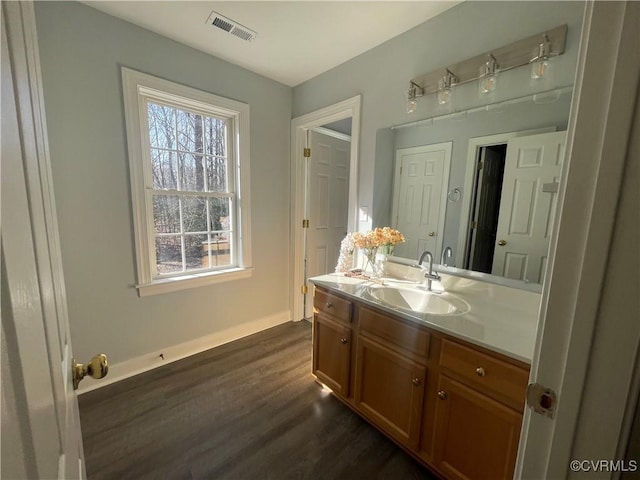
(446, 254)
(430, 275)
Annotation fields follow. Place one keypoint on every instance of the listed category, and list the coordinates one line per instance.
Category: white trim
(299, 126)
(446, 168)
(138, 86)
(597, 146)
(174, 284)
(331, 133)
(475, 144)
(147, 362)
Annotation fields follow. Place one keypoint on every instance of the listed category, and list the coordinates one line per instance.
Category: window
(189, 163)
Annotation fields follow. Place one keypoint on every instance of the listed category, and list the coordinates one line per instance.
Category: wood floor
(246, 410)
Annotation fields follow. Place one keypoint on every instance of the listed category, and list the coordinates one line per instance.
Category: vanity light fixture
(415, 91)
(488, 77)
(540, 59)
(444, 87)
(497, 61)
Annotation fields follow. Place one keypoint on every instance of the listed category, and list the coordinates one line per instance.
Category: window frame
(138, 89)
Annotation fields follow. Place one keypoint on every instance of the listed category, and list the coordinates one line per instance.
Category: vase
(380, 264)
(370, 255)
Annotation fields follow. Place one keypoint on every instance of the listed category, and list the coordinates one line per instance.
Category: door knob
(98, 367)
(432, 234)
(502, 243)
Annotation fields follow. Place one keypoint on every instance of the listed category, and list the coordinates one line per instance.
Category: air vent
(231, 26)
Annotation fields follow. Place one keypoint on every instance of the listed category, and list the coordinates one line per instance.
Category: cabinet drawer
(505, 381)
(337, 307)
(407, 337)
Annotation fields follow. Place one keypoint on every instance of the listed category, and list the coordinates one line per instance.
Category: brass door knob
(343, 341)
(416, 381)
(502, 243)
(98, 367)
(442, 395)
(480, 371)
(432, 234)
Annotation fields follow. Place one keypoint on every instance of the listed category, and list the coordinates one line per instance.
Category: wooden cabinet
(455, 407)
(477, 436)
(478, 413)
(332, 341)
(389, 389)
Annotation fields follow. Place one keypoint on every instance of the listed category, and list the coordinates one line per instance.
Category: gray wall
(81, 52)
(382, 75)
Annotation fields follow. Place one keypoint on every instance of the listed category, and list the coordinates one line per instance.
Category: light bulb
(488, 76)
(540, 60)
(539, 69)
(444, 87)
(444, 95)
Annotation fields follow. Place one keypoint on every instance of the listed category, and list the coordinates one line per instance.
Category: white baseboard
(149, 361)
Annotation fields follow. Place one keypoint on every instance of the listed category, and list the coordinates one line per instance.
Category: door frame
(43, 377)
(572, 329)
(349, 108)
(470, 180)
(446, 170)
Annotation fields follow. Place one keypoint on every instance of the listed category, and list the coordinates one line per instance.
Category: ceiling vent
(231, 26)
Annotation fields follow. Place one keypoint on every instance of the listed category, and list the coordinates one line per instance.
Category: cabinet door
(389, 389)
(331, 353)
(476, 437)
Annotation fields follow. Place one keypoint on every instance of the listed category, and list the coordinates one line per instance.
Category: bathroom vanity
(448, 387)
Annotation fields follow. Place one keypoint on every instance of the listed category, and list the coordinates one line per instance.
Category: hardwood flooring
(249, 409)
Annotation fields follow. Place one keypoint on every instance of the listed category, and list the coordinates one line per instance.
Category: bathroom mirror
(482, 181)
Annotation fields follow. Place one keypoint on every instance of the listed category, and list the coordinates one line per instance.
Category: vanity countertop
(500, 318)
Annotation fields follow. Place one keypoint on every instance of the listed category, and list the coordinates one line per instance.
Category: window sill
(167, 285)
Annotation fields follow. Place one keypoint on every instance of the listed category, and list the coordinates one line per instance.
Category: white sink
(417, 300)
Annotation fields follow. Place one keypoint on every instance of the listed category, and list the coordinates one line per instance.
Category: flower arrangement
(384, 239)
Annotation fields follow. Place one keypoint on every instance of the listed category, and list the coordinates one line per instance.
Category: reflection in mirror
(483, 182)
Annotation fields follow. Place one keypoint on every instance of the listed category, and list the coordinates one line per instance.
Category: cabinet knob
(343, 340)
(480, 371)
(442, 395)
(329, 305)
(416, 381)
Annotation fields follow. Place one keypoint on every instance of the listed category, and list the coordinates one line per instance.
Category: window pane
(190, 134)
(196, 254)
(220, 247)
(191, 172)
(194, 214)
(168, 255)
(216, 174)
(219, 214)
(166, 214)
(215, 136)
(162, 126)
(164, 170)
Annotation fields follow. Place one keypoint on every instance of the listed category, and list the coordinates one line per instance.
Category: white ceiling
(297, 40)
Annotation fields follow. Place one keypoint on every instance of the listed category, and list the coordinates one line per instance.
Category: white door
(422, 177)
(328, 203)
(527, 205)
(40, 422)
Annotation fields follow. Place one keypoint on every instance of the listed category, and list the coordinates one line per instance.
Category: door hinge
(307, 153)
(480, 165)
(474, 225)
(305, 223)
(542, 399)
(304, 289)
